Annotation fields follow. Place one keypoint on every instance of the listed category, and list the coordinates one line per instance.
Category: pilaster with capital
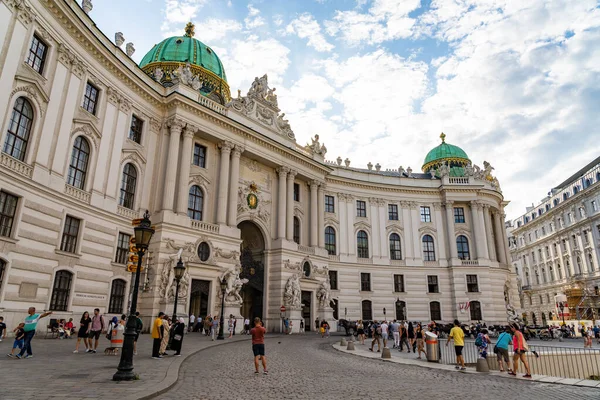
(505, 237)
(476, 230)
(175, 127)
(184, 168)
(222, 204)
(234, 184)
(449, 205)
(343, 229)
(415, 219)
(489, 233)
(409, 235)
(441, 233)
(350, 212)
(290, 205)
(314, 234)
(321, 210)
(483, 236)
(281, 210)
(500, 239)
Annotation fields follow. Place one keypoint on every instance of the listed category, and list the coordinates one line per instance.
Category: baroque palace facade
(90, 140)
(555, 248)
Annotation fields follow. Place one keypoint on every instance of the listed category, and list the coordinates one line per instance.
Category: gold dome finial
(443, 137)
(189, 30)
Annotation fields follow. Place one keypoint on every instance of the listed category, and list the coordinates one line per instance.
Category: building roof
(445, 152)
(578, 174)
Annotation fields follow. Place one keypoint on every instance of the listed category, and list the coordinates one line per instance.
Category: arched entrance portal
(252, 259)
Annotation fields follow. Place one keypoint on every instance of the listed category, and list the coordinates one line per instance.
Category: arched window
(117, 296)
(462, 246)
(330, 241)
(575, 189)
(544, 275)
(587, 183)
(79, 163)
(296, 230)
(435, 311)
(362, 244)
(568, 268)
(565, 196)
(537, 277)
(19, 129)
(195, 203)
(556, 202)
(590, 261)
(527, 280)
(128, 182)
(475, 308)
(395, 248)
(428, 249)
(559, 270)
(400, 310)
(367, 311)
(61, 290)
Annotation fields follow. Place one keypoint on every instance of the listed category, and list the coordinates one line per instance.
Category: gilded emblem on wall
(252, 200)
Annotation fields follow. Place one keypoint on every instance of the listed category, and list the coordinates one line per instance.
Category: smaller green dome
(454, 156)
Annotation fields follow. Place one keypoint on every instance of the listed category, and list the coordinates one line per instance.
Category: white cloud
(213, 30)
(278, 19)
(385, 20)
(305, 26)
(180, 12)
(253, 20)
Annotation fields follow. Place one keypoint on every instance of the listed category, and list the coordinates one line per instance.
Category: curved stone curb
(450, 368)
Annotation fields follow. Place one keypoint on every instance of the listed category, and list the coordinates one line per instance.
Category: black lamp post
(179, 271)
(384, 313)
(222, 319)
(561, 306)
(143, 234)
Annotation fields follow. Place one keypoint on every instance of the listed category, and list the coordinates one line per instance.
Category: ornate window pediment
(427, 229)
(394, 227)
(331, 220)
(133, 155)
(32, 90)
(88, 130)
(362, 225)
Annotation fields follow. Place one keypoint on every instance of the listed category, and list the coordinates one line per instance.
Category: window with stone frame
(135, 130)
(296, 236)
(435, 311)
(365, 282)
(61, 291)
(70, 234)
(36, 58)
(472, 284)
(475, 310)
(367, 310)
(459, 215)
(361, 208)
(362, 244)
(8, 209)
(117, 296)
(90, 98)
(329, 204)
(195, 203)
(330, 241)
(393, 212)
(428, 248)
(399, 283)
(19, 129)
(78, 165)
(296, 192)
(333, 280)
(128, 186)
(425, 214)
(395, 247)
(122, 248)
(199, 158)
(432, 284)
(462, 247)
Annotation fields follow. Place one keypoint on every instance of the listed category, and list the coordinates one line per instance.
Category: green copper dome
(454, 156)
(178, 51)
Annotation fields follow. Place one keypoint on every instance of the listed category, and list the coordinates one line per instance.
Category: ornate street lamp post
(179, 271)
(222, 319)
(143, 234)
(384, 313)
(561, 306)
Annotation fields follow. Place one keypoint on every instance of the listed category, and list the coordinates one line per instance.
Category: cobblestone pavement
(307, 367)
(55, 372)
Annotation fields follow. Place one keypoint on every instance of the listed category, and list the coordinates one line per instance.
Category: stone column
(408, 231)
(489, 232)
(505, 238)
(572, 261)
(314, 234)
(450, 229)
(482, 229)
(321, 209)
(500, 238)
(350, 213)
(475, 230)
(175, 127)
(282, 171)
(343, 231)
(290, 205)
(385, 250)
(184, 169)
(375, 235)
(234, 185)
(223, 182)
(415, 218)
(439, 225)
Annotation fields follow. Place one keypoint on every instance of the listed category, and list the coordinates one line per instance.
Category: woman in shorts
(419, 337)
(360, 329)
(519, 348)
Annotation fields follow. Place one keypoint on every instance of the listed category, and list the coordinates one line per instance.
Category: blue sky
(515, 83)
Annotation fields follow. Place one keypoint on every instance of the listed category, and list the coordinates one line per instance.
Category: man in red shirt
(258, 345)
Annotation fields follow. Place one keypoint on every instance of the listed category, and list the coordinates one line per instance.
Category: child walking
(19, 339)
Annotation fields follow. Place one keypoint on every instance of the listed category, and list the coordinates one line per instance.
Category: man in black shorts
(258, 345)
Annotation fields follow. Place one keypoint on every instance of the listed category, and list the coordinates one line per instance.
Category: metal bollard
(386, 353)
(343, 342)
(350, 346)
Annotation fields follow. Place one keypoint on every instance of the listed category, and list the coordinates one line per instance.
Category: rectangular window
(529, 237)
(547, 251)
(393, 212)
(435, 310)
(135, 130)
(543, 231)
(533, 256)
(90, 98)
(564, 245)
(122, 248)
(560, 223)
(459, 215)
(586, 239)
(472, 285)
(365, 282)
(329, 204)
(70, 234)
(555, 249)
(425, 214)
(536, 233)
(37, 54)
(8, 208)
(594, 205)
(570, 217)
(333, 280)
(361, 208)
(199, 155)
(432, 284)
(296, 192)
(398, 283)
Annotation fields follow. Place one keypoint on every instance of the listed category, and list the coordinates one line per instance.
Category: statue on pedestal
(324, 294)
(291, 295)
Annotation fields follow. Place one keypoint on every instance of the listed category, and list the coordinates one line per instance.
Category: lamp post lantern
(143, 234)
(222, 319)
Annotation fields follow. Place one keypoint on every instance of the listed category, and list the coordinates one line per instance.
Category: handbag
(177, 337)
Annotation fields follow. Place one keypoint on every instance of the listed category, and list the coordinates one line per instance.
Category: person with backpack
(404, 337)
(482, 342)
(376, 331)
(97, 327)
(501, 349)
(520, 347)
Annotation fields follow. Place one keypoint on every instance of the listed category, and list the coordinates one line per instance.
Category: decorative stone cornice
(24, 11)
(377, 201)
(125, 105)
(154, 125)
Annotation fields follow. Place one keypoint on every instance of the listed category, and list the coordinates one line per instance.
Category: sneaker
(94, 351)
(28, 356)
(266, 372)
(255, 373)
(512, 373)
(463, 369)
(526, 376)
(87, 350)
(156, 358)
(18, 356)
(456, 367)
(10, 355)
(76, 351)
